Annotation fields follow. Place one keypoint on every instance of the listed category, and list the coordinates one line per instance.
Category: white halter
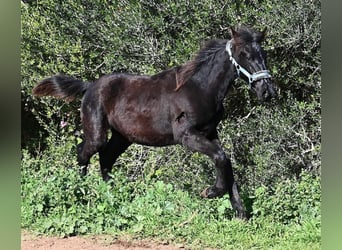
(251, 77)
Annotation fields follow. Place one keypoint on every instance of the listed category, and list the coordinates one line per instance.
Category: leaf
(40, 207)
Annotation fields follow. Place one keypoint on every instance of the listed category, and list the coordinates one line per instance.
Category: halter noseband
(262, 74)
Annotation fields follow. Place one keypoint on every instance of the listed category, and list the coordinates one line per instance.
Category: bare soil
(30, 241)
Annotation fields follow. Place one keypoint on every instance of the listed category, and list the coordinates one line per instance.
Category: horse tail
(61, 86)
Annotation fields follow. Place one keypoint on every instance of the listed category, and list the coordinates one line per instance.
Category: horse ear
(233, 32)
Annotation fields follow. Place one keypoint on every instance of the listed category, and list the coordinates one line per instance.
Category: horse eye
(246, 54)
(264, 54)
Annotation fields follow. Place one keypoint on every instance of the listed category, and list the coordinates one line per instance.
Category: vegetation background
(275, 149)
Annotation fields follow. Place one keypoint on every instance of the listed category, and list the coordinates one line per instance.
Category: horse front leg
(224, 182)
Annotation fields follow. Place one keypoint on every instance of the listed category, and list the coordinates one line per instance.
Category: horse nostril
(273, 93)
(269, 93)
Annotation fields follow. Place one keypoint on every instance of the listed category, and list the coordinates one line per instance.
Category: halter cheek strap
(262, 74)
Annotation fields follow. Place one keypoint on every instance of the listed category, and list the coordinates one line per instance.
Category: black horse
(182, 105)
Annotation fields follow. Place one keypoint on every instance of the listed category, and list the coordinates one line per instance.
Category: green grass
(56, 201)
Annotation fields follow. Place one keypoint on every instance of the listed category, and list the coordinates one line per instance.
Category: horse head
(248, 57)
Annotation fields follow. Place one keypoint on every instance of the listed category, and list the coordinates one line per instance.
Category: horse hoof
(213, 192)
(242, 216)
(204, 193)
(83, 171)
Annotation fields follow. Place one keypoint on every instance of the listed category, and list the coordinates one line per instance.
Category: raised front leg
(225, 182)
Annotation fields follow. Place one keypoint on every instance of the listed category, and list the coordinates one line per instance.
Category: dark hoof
(83, 171)
(107, 178)
(242, 215)
(213, 192)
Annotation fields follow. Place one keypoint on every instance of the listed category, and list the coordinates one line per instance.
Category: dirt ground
(32, 242)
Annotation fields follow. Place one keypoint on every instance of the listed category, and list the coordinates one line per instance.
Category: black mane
(191, 67)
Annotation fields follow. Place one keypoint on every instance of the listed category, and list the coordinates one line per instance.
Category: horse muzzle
(265, 90)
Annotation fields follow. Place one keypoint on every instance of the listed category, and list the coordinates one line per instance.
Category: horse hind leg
(85, 150)
(108, 154)
(95, 137)
(81, 162)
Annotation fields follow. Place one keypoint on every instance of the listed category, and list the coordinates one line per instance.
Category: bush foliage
(90, 38)
(269, 145)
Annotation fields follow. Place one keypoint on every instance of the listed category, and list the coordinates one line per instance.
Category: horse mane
(186, 71)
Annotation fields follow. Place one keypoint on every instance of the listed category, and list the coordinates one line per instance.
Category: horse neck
(217, 76)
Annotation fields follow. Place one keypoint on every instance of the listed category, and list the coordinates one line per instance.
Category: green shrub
(290, 200)
(274, 142)
(56, 200)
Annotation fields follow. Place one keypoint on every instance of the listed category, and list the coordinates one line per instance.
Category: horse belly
(138, 108)
(143, 126)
